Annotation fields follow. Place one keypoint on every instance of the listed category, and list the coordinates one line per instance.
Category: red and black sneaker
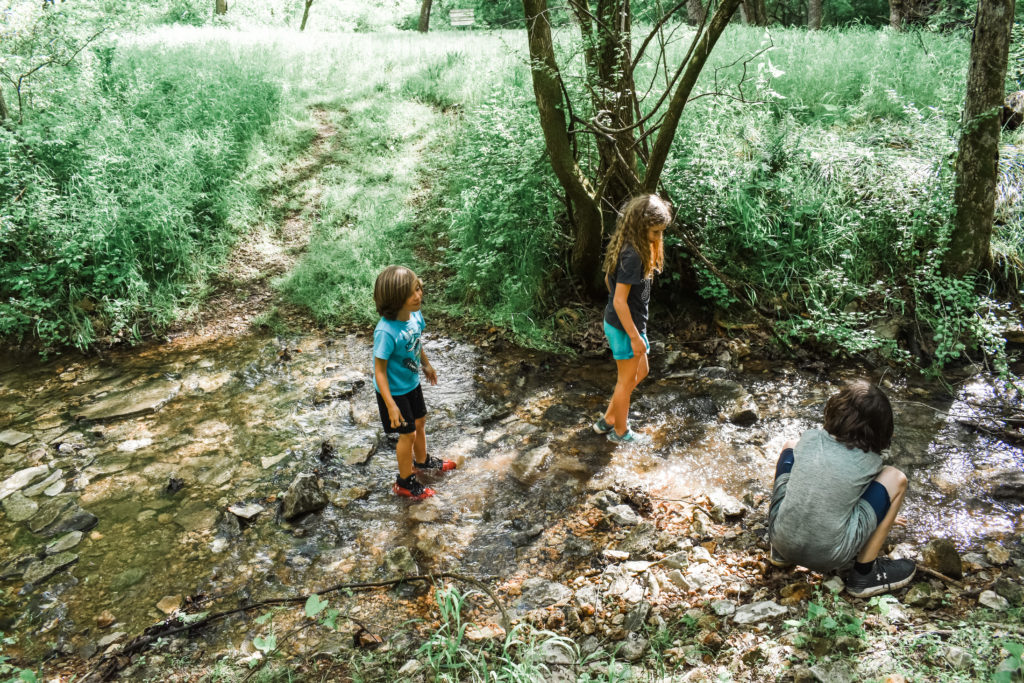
(437, 464)
(411, 488)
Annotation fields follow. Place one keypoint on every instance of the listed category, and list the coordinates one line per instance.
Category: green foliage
(94, 238)
(9, 673)
(1011, 668)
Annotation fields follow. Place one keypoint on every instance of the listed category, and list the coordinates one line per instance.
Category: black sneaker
(885, 575)
(410, 488)
(432, 463)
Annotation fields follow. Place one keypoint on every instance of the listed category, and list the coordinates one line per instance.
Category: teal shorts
(622, 349)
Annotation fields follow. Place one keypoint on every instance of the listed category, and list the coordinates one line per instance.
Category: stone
(410, 668)
(922, 596)
(65, 543)
(742, 412)
(345, 497)
(617, 555)
(132, 445)
(126, 579)
(71, 518)
(996, 554)
(399, 562)
(526, 536)
(757, 612)
(142, 400)
(110, 639)
(941, 555)
(994, 601)
(428, 510)
(529, 464)
(834, 584)
(40, 487)
(19, 507)
(605, 499)
(47, 567)
(55, 488)
(557, 652)
(640, 540)
(623, 515)
(271, 460)
(636, 566)
(1006, 484)
(105, 619)
(677, 579)
(337, 387)
(538, 592)
(958, 658)
(304, 495)
(723, 608)
(21, 479)
(169, 604)
(480, 633)
(636, 617)
(12, 437)
(700, 554)
(702, 577)
(725, 506)
(246, 511)
(833, 672)
(632, 648)
(1013, 592)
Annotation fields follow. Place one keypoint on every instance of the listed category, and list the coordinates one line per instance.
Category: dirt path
(242, 292)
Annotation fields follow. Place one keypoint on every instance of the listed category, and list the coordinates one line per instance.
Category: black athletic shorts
(411, 406)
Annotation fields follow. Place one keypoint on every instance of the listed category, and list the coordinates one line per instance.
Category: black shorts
(411, 406)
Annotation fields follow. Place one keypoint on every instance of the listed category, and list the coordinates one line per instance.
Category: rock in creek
(641, 540)
(124, 404)
(341, 386)
(529, 465)
(941, 555)
(399, 562)
(21, 479)
(64, 543)
(12, 437)
(44, 569)
(305, 494)
(623, 515)
(61, 515)
(1005, 484)
(246, 511)
(45, 484)
(994, 601)
(19, 507)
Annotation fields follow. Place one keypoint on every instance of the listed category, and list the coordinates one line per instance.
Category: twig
(939, 575)
(110, 665)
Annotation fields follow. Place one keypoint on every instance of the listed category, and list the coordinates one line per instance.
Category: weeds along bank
(825, 196)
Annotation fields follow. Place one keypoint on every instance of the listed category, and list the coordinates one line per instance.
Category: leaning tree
(607, 129)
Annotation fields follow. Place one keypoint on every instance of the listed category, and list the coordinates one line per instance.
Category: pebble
(105, 619)
(723, 608)
(111, 638)
(169, 604)
(65, 542)
(623, 515)
(996, 553)
(757, 612)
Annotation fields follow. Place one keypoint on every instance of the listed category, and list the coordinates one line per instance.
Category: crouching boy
(833, 501)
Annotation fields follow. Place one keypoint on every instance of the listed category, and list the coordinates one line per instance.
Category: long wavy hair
(639, 215)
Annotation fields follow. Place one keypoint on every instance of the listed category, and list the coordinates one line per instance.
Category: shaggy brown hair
(393, 287)
(638, 216)
(860, 416)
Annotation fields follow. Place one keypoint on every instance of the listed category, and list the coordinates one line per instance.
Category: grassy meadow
(826, 195)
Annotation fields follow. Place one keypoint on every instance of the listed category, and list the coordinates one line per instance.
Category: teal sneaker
(602, 427)
(629, 437)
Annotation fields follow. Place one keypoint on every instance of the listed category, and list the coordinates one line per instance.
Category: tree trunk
(585, 213)
(305, 15)
(425, 16)
(755, 12)
(222, 6)
(667, 131)
(814, 12)
(695, 12)
(4, 112)
(896, 14)
(977, 160)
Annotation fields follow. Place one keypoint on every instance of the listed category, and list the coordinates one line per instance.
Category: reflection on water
(241, 419)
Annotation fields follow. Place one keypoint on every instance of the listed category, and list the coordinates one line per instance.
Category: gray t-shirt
(818, 518)
(629, 271)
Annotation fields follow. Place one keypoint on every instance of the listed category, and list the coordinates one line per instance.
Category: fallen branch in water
(110, 664)
(1007, 435)
(939, 575)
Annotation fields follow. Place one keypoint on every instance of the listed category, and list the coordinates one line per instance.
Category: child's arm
(428, 369)
(622, 310)
(380, 372)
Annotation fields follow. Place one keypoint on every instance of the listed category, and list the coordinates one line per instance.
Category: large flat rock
(12, 437)
(124, 404)
(21, 479)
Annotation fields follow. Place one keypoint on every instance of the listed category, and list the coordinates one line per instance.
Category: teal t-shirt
(398, 342)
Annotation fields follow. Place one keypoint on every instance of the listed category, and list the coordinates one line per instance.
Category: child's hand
(430, 373)
(900, 521)
(395, 415)
(639, 348)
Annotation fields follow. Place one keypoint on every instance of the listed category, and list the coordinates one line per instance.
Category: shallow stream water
(235, 422)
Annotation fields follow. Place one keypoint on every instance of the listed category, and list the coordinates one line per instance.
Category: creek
(131, 461)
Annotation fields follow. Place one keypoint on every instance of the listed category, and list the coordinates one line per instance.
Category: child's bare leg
(618, 409)
(895, 483)
(404, 452)
(419, 445)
